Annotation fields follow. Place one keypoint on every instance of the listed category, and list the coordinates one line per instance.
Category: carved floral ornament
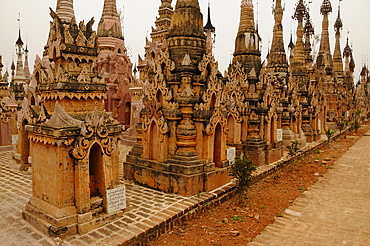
(162, 56)
(153, 112)
(94, 130)
(213, 89)
(5, 109)
(238, 75)
(208, 59)
(217, 117)
(233, 109)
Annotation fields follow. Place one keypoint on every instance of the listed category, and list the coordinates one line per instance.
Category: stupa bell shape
(186, 34)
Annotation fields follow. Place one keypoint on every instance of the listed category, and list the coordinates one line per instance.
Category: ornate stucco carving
(61, 119)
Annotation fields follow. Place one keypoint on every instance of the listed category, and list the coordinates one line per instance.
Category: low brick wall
(208, 200)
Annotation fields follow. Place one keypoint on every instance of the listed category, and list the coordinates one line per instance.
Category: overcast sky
(140, 16)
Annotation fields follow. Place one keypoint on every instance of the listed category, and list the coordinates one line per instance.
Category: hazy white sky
(140, 16)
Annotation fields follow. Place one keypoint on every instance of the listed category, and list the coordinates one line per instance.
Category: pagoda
(76, 185)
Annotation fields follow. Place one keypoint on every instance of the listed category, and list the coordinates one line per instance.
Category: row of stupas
(190, 120)
(194, 117)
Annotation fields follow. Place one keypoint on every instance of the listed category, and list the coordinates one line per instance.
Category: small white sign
(14, 139)
(116, 199)
(279, 135)
(231, 154)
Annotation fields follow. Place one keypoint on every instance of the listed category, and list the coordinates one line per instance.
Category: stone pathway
(149, 212)
(333, 212)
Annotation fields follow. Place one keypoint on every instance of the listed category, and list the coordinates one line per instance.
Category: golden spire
(277, 57)
(65, 10)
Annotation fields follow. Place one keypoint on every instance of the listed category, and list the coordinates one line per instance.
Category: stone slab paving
(335, 211)
(146, 210)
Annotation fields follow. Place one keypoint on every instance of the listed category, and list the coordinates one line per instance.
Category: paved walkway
(335, 211)
(146, 210)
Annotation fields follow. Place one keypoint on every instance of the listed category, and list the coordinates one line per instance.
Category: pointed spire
(338, 23)
(26, 65)
(1, 68)
(209, 25)
(110, 8)
(277, 57)
(19, 40)
(299, 14)
(247, 42)
(209, 29)
(324, 58)
(337, 57)
(163, 22)
(347, 50)
(19, 75)
(309, 30)
(65, 10)
(348, 58)
(291, 43)
(110, 23)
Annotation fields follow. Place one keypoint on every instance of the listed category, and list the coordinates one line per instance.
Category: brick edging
(208, 200)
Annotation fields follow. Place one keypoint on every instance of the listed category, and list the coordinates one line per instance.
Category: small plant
(198, 196)
(356, 124)
(329, 134)
(237, 218)
(293, 148)
(342, 123)
(300, 188)
(242, 170)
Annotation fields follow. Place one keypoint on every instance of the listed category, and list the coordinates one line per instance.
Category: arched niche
(24, 143)
(154, 143)
(217, 150)
(97, 185)
(127, 113)
(231, 131)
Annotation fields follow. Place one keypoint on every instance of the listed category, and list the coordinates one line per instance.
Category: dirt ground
(238, 220)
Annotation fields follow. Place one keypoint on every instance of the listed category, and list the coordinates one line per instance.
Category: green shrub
(329, 134)
(293, 148)
(242, 170)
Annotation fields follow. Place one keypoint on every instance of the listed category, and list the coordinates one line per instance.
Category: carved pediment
(61, 119)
